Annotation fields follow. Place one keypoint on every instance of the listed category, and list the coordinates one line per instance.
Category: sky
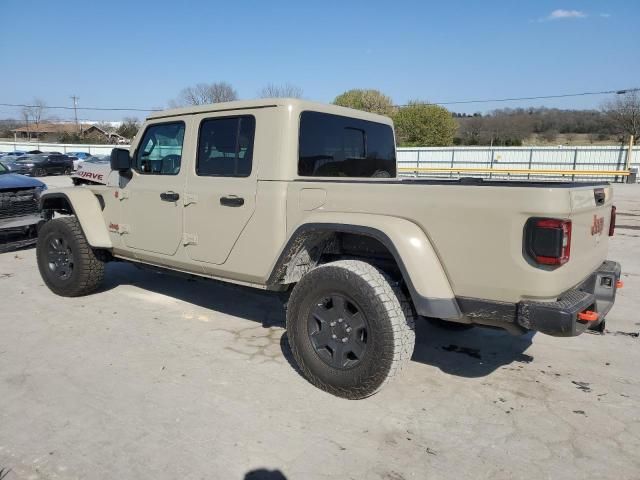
(142, 53)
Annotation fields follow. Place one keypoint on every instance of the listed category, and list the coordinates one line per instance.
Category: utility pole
(75, 109)
(629, 154)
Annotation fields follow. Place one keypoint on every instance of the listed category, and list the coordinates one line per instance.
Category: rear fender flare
(418, 262)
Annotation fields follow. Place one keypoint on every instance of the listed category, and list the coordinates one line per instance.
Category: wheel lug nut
(348, 329)
(344, 340)
(334, 336)
(332, 324)
(339, 320)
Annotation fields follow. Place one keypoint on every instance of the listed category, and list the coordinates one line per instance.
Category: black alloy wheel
(60, 258)
(338, 330)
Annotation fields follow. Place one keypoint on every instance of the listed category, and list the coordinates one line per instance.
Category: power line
(456, 102)
(539, 97)
(110, 109)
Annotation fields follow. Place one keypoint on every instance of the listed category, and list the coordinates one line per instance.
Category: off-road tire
(390, 334)
(88, 264)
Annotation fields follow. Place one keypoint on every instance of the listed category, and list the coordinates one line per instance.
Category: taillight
(612, 223)
(548, 240)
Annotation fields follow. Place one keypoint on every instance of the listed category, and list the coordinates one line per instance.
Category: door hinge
(121, 194)
(189, 239)
(190, 198)
(124, 228)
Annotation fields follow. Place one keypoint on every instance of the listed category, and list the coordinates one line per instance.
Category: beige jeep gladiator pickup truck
(302, 198)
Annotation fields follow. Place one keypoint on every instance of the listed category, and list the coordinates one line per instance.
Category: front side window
(225, 147)
(160, 151)
(337, 146)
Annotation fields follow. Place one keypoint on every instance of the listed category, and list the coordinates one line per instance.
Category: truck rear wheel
(69, 266)
(350, 329)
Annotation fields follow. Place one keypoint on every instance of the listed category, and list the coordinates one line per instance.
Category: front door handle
(169, 196)
(232, 201)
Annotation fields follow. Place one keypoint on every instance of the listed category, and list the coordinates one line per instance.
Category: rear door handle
(169, 196)
(232, 201)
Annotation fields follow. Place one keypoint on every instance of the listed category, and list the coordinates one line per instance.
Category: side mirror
(120, 159)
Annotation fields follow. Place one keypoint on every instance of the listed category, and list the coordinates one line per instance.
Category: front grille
(16, 203)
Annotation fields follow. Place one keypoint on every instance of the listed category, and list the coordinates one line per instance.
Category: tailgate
(590, 218)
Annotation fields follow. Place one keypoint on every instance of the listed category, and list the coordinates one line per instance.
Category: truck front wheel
(350, 328)
(67, 263)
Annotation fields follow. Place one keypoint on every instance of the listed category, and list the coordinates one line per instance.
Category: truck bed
(478, 233)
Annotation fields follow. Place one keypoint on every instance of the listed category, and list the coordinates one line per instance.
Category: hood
(14, 180)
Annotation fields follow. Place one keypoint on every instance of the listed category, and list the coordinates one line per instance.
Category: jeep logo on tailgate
(597, 226)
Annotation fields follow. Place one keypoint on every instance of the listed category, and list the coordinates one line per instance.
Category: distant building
(53, 132)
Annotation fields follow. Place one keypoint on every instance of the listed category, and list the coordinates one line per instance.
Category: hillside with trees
(520, 126)
(421, 123)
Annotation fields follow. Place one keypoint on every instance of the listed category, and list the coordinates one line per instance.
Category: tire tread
(90, 262)
(400, 337)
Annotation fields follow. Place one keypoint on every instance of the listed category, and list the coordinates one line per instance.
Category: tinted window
(225, 146)
(336, 146)
(160, 151)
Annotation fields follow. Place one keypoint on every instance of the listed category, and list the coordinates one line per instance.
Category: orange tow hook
(588, 316)
(619, 284)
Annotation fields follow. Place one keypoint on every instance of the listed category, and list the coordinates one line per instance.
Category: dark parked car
(42, 165)
(20, 212)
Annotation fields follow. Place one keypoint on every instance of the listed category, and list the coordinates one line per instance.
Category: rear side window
(337, 146)
(160, 151)
(225, 147)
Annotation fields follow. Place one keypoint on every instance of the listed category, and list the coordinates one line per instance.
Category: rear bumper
(597, 293)
(560, 318)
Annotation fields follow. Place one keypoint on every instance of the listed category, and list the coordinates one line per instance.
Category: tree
(420, 124)
(471, 130)
(6, 127)
(36, 111)
(26, 115)
(33, 113)
(76, 137)
(624, 114)
(204, 93)
(280, 91)
(549, 136)
(129, 127)
(372, 101)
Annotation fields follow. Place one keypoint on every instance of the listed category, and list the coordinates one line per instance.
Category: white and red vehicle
(93, 171)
